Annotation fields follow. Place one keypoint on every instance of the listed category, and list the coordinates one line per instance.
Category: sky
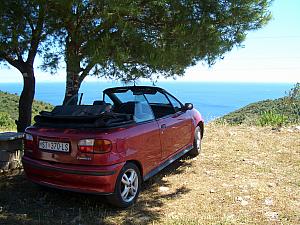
(271, 54)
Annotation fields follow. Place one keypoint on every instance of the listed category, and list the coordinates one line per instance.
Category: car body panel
(175, 133)
(94, 179)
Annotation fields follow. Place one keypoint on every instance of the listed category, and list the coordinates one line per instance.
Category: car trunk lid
(61, 145)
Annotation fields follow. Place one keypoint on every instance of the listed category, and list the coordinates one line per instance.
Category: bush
(270, 118)
(294, 93)
(6, 121)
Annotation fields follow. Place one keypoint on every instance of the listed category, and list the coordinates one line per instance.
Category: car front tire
(197, 143)
(128, 186)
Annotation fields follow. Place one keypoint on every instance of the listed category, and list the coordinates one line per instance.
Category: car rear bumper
(87, 179)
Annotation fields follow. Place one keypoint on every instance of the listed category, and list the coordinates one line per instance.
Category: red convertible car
(112, 145)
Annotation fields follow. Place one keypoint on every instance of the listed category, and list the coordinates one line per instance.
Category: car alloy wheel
(198, 139)
(128, 185)
(197, 143)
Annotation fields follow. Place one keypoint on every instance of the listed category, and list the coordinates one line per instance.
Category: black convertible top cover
(81, 116)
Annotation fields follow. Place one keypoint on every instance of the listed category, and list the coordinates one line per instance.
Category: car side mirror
(188, 106)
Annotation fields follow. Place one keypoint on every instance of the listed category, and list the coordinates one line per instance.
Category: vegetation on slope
(278, 112)
(9, 110)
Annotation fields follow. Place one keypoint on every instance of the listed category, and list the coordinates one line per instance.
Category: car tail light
(94, 146)
(28, 142)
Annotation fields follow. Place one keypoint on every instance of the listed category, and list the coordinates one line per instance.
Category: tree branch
(36, 35)
(86, 71)
(10, 60)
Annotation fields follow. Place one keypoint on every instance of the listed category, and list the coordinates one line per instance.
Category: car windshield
(129, 102)
(125, 102)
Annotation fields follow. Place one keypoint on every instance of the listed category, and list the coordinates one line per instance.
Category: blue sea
(211, 99)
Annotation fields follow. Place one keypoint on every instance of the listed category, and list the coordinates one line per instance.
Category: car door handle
(163, 126)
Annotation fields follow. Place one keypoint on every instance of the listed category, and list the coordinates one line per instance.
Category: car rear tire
(197, 143)
(128, 186)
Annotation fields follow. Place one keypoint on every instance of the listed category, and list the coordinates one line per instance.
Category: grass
(9, 110)
(244, 175)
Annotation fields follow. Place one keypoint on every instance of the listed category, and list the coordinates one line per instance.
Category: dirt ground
(244, 175)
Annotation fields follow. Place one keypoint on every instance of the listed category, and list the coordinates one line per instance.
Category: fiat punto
(113, 144)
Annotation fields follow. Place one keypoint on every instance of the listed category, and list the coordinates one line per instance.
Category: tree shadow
(22, 202)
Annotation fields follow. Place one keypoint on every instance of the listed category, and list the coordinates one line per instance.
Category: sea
(211, 99)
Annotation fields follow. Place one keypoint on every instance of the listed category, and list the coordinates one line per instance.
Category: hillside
(244, 175)
(287, 108)
(9, 109)
(277, 113)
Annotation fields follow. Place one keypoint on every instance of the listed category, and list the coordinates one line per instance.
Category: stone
(273, 216)
(242, 201)
(144, 218)
(163, 189)
(268, 201)
(212, 191)
(239, 198)
(271, 185)
(207, 172)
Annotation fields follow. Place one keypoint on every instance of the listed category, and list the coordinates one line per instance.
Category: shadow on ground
(22, 202)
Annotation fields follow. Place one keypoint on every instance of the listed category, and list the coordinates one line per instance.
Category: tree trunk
(72, 88)
(26, 99)
(73, 71)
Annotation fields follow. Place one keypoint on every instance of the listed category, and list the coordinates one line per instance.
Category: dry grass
(244, 176)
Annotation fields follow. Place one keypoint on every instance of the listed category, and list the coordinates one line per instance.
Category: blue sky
(271, 54)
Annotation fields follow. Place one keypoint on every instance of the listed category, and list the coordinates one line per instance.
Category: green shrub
(6, 121)
(270, 118)
(294, 93)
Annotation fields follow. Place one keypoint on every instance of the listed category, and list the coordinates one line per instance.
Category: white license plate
(54, 146)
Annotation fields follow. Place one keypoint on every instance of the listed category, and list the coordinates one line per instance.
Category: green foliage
(127, 40)
(270, 118)
(9, 109)
(6, 121)
(280, 111)
(21, 30)
(294, 93)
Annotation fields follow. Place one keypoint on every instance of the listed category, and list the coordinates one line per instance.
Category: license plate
(54, 146)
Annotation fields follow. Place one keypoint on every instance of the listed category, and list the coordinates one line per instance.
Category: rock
(212, 191)
(247, 197)
(253, 184)
(163, 189)
(242, 201)
(207, 172)
(227, 185)
(273, 216)
(239, 198)
(144, 218)
(271, 185)
(268, 201)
